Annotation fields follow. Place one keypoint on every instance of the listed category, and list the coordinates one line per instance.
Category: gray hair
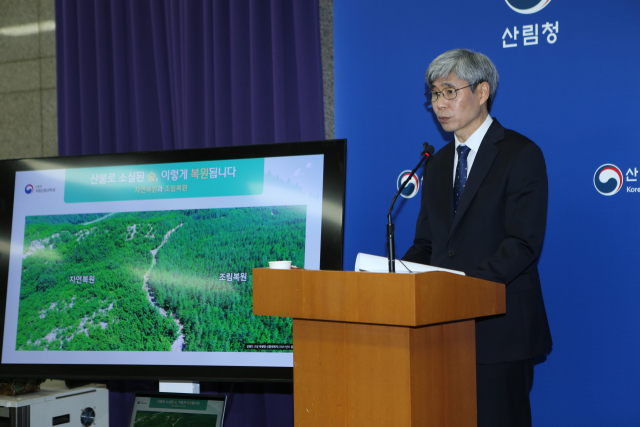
(468, 65)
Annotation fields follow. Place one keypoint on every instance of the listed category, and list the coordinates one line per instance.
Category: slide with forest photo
(170, 281)
(170, 419)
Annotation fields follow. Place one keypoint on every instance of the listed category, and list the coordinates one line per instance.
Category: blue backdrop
(567, 81)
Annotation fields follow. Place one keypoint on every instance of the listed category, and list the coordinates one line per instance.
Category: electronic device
(154, 409)
(139, 265)
(55, 405)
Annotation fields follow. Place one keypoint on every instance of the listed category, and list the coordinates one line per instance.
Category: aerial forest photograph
(153, 281)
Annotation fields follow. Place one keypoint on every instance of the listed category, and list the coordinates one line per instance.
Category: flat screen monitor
(182, 409)
(140, 265)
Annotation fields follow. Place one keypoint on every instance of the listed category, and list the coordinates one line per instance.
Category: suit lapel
(481, 166)
(446, 183)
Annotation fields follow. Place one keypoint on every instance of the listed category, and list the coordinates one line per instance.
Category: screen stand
(179, 387)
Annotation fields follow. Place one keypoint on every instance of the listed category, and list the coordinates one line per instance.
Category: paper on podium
(378, 264)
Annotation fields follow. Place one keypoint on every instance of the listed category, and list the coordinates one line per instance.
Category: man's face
(463, 114)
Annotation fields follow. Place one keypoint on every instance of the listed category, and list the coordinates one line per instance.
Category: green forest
(170, 419)
(153, 281)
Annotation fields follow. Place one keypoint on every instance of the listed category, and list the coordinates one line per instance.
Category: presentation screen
(140, 265)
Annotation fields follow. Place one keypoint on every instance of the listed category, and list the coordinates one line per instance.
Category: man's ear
(482, 91)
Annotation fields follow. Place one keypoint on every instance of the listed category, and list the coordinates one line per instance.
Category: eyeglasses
(448, 93)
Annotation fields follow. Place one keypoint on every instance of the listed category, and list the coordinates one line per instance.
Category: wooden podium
(378, 349)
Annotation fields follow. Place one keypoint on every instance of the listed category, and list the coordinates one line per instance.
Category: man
(483, 211)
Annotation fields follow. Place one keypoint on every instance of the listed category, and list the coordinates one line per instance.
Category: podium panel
(363, 375)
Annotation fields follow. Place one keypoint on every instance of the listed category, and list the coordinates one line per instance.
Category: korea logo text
(412, 187)
(608, 179)
(28, 189)
(527, 6)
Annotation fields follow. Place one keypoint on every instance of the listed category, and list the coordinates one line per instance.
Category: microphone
(427, 151)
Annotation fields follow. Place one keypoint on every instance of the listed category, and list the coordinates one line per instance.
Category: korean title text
(529, 34)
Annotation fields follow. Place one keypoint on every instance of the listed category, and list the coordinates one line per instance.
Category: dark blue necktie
(461, 175)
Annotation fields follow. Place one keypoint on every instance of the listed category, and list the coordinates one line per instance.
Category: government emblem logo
(412, 187)
(527, 6)
(608, 179)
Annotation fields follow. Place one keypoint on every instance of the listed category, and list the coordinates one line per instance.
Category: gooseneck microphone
(427, 151)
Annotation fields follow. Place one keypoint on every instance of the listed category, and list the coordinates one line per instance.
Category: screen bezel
(331, 253)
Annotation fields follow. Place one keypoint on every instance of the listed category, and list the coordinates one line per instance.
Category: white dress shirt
(473, 142)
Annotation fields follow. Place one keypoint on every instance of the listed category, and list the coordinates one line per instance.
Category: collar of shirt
(473, 143)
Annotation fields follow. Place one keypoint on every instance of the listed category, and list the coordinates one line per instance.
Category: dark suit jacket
(496, 235)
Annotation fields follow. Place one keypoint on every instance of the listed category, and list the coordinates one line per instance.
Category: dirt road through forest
(178, 344)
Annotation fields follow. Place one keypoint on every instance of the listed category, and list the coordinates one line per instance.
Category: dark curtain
(157, 75)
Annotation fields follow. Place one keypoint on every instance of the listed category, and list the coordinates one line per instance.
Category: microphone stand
(427, 151)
